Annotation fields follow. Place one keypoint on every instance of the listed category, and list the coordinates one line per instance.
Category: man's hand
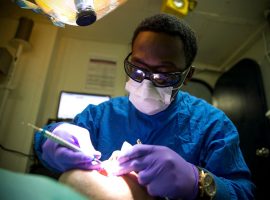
(161, 170)
(62, 158)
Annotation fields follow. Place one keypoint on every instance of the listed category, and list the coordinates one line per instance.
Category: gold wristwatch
(207, 185)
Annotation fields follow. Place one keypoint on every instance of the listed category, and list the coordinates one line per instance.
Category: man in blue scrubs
(189, 150)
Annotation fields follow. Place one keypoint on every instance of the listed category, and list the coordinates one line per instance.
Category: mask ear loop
(178, 88)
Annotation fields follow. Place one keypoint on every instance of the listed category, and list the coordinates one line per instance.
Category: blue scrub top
(197, 131)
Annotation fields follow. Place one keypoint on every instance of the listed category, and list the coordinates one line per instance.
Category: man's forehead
(158, 48)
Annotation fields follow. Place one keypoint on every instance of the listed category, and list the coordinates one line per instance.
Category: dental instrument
(139, 141)
(61, 141)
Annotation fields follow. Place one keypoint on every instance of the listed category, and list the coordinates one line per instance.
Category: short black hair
(171, 25)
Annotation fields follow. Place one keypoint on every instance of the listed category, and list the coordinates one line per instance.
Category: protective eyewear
(161, 79)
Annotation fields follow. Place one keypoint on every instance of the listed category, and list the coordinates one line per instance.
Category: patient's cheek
(118, 183)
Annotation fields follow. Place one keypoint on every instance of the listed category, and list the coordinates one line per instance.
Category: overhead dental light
(178, 7)
(71, 12)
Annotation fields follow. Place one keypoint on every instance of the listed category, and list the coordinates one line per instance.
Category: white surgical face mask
(147, 98)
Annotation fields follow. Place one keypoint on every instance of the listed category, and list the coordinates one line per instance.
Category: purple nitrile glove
(62, 158)
(162, 171)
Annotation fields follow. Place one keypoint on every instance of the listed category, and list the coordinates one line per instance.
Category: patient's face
(101, 185)
(97, 186)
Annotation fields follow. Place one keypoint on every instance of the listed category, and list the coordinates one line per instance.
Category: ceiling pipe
(20, 42)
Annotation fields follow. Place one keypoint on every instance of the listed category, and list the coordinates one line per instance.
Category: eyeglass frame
(145, 71)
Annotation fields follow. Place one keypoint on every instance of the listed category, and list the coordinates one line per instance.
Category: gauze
(147, 98)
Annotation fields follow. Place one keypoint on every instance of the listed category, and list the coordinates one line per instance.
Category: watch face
(209, 185)
(211, 190)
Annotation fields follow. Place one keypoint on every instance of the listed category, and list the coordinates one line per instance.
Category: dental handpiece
(61, 141)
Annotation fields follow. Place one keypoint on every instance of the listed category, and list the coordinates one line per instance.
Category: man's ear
(189, 75)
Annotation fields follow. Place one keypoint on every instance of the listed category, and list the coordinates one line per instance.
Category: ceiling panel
(224, 27)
